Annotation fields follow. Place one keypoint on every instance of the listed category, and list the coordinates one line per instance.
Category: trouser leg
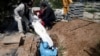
(26, 21)
(19, 22)
(65, 10)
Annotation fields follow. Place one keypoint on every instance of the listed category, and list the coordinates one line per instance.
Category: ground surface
(75, 38)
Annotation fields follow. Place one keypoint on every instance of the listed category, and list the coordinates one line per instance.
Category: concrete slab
(88, 15)
(91, 16)
(1, 36)
(11, 39)
(29, 47)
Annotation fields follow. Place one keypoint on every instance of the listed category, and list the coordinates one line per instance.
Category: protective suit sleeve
(17, 9)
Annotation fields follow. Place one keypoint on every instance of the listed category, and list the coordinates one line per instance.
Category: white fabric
(40, 30)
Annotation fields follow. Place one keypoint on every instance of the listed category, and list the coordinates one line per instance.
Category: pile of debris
(76, 10)
(21, 46)
(15, 45)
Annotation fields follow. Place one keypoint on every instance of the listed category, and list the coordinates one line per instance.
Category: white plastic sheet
(40, 30)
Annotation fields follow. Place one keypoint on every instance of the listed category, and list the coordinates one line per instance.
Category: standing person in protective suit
(22, 14)
(66, 4)
(47, 15)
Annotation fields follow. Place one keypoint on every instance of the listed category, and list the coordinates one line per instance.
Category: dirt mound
(76, 38)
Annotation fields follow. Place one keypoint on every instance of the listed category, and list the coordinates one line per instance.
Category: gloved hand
(36, 18)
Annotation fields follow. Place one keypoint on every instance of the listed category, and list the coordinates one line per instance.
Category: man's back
(49, 14)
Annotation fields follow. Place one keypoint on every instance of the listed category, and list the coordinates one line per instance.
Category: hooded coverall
(66, 4)
(22, 14)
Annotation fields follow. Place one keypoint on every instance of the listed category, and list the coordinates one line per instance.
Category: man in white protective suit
(22, 14)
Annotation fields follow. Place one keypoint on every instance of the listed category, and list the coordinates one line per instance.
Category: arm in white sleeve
(33, 17)
(17, 9)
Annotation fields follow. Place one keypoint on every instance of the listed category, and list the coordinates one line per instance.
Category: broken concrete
(12, 39)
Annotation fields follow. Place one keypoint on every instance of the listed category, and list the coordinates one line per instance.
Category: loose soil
(75, 38)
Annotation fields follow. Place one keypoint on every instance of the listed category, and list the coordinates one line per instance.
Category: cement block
(11, 39)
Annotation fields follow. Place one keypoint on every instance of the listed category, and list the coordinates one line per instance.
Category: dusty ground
(76, 38)
(8, 50)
